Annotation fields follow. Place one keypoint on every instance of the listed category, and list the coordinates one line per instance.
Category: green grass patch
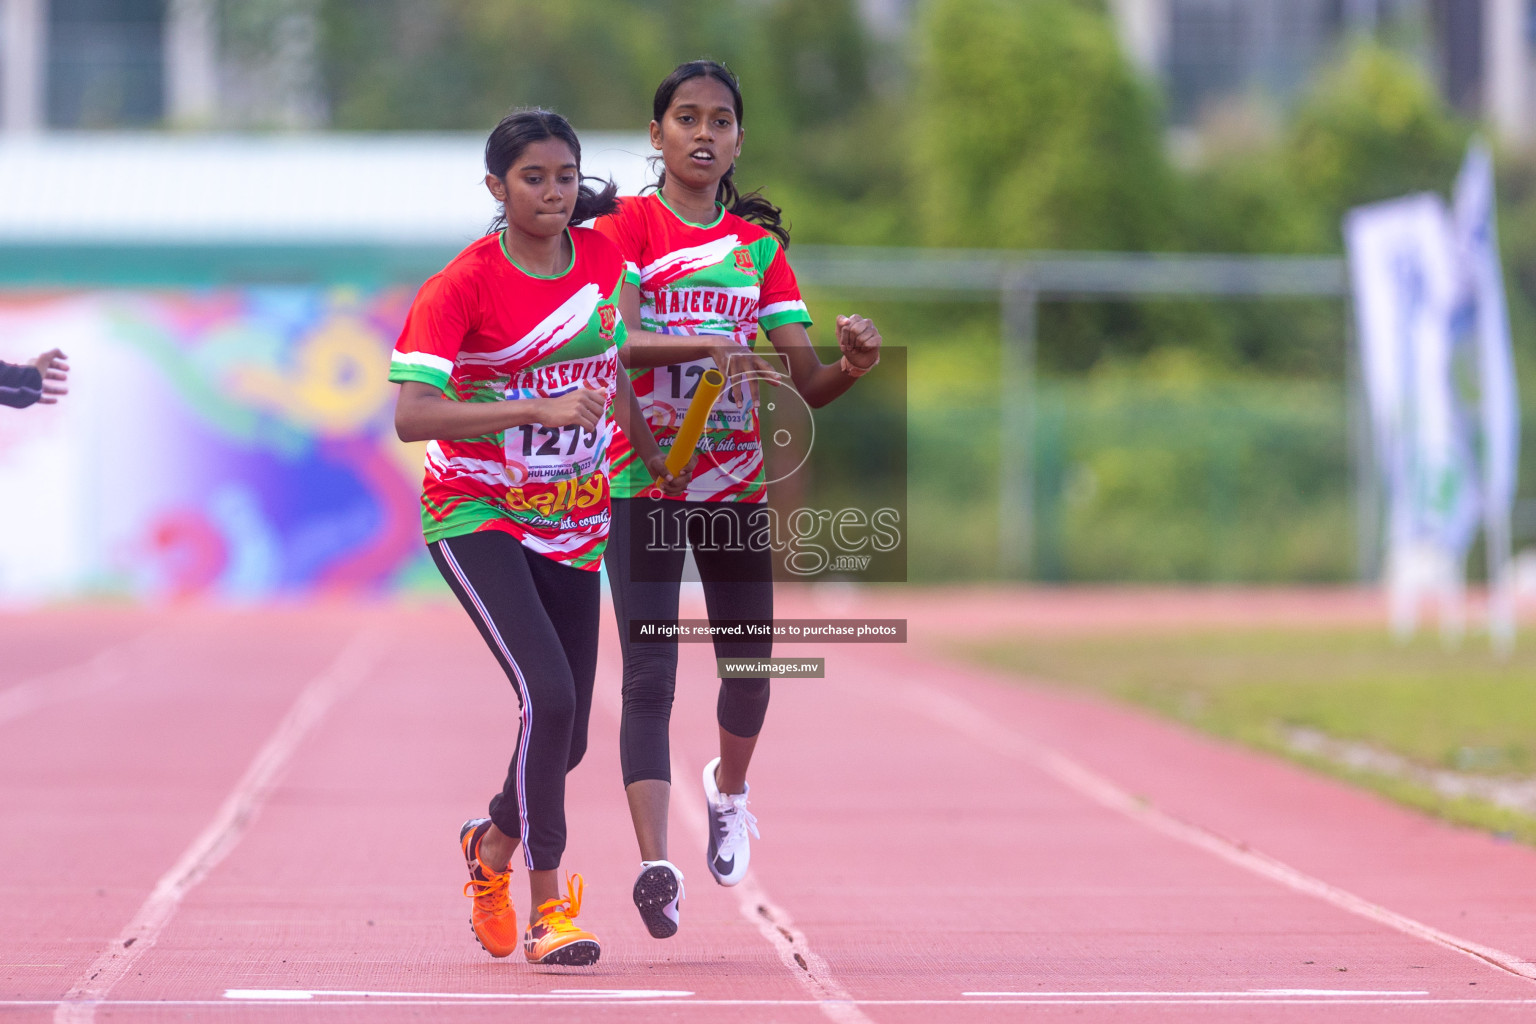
(1462, 710)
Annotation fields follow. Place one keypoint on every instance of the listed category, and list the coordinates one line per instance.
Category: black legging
(644, 578)
(540, 619)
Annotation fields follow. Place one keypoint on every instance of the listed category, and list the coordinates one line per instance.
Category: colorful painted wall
(233, 443)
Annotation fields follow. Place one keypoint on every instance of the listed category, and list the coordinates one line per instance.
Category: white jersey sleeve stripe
(775, 308)
(425, 359)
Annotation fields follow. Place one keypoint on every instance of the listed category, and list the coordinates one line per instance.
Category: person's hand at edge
(54, 367)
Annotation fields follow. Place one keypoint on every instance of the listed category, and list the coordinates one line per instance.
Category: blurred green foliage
(1029, 131)
(991, 123)
(1371, 129)
(1166, 477)
(462, 64)
(1148, 480)
(1015, 123)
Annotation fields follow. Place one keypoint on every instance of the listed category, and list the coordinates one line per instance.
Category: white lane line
(1260, 993)
(82, 679)
(1320, 992)
(561, 994)
(970, 720)
(224, 832)
(808, 1004)
(772, 922)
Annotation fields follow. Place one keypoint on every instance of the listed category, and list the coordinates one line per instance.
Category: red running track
(266, 804)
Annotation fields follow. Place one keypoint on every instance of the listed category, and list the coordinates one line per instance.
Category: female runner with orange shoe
(702, 260)
(508, 367)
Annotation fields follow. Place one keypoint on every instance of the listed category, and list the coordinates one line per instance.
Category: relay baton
(711, 383)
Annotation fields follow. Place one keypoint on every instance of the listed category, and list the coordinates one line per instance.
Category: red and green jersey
(484, 330)
(727, 278)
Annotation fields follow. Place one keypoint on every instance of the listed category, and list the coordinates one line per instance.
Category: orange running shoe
(554, 939)
(492, 918)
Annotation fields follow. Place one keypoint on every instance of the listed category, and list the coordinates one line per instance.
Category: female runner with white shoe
(508, 366)
(706, 273)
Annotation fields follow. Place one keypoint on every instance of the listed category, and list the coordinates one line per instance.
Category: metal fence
(1019, 281)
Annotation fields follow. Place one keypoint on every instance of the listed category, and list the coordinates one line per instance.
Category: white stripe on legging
(522, 686)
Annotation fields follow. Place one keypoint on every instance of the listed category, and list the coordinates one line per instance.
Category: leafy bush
(1030, 131)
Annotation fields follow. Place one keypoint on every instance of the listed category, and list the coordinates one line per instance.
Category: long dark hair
(753, 206)
(521, 129)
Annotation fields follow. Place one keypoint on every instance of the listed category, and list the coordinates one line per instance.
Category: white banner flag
(1478, 248)
(1407, 287)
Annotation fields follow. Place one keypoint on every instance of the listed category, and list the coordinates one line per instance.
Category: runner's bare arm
(819, 382)
(423, 413)
(647, 348)
(626, 409)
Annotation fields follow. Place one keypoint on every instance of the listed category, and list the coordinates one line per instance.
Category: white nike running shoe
(657, 892)
(729, 824)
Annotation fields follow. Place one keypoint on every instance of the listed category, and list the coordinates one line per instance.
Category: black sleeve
(20, 386)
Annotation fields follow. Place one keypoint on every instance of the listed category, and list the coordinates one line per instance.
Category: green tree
(455, 63)
(1031, 131)
(461, 64)
(820, 140)
(1372, 128)
(808, 61)
(825, 146)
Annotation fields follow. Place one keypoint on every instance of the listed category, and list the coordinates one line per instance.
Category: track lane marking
(809, 1004)
(772, 922)
(102, 670)
(224, 831)
(448, 998)
(1260, 993)
(965, 717)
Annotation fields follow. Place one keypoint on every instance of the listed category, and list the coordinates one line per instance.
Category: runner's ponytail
(591, 203)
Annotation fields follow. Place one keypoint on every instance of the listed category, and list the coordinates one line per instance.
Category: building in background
(83, 64)
(1206, 52)
(111, 64)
